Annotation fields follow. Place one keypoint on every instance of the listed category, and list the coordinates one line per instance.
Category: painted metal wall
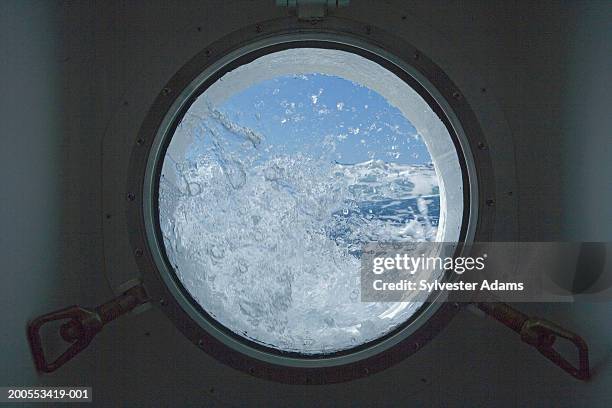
(73, 74)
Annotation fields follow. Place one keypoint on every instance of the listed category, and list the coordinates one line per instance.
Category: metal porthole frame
(225, 54)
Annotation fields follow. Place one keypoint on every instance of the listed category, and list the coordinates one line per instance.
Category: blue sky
(305, 113)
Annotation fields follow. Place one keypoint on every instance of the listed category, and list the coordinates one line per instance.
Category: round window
(275, 177)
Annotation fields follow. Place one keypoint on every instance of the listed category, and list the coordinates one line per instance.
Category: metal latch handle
(82, 326)
(542, 335)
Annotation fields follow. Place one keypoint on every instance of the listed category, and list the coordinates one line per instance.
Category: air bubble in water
(194, 189)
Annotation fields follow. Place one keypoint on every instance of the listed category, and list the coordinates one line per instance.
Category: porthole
(263, 175)
(280, 172)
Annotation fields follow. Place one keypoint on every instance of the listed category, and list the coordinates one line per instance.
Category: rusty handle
(542, 335)
(82, 326)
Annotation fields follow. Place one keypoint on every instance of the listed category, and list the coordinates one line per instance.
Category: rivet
(166, 91)
(208, 53)
(510, 193)
(483, 90)
(368, 29)
(490, 202)
(140, 142)
(108, 216)
(138, 252)
(258, 28)
(201, 343)
(199, 28)
(456, 95)
(131, 196)
(482, 146)
(366, 371)
(417, 55)
(162, 302)
(403, 17)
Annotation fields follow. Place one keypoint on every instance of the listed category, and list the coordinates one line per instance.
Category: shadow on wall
(51, 246)
(586, 126)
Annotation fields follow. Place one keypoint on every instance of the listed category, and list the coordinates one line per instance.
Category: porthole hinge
(81, 325)
(311, 10)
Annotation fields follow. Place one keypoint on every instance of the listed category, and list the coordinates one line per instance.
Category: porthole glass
(279, 173)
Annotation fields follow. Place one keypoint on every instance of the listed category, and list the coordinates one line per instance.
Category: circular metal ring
(208, 66)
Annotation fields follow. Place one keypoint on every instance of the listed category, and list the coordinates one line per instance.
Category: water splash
(268, 241)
